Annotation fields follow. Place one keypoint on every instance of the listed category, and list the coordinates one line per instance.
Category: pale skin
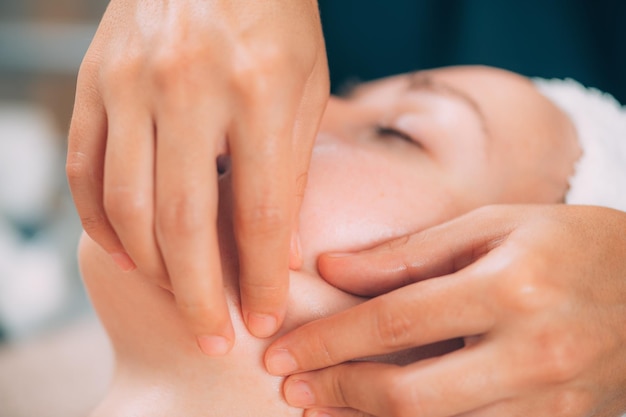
(368, 184)
(538, 293)
(165, 88)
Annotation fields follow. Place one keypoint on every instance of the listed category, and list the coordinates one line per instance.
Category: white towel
(600, 176)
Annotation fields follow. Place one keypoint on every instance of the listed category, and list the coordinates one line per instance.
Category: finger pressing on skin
(129, 186)
(339, 387)
(389, 323)
(85, 169)
(186, 216)
(437, 251)
(456, 383)
(263, 193)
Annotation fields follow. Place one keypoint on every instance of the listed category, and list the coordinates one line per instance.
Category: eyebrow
(421, 80)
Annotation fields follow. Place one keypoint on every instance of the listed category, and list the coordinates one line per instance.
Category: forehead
(513, 108)
(472, 84)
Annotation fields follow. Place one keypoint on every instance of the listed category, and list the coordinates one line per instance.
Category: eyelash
(383, 131)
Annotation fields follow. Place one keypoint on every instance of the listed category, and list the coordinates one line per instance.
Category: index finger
(462, 381)
(412, 316)
(440, 250)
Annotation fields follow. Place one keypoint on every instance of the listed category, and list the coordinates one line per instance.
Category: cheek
(356, 197)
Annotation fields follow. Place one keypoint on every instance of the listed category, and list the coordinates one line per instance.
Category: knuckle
(319, 347)
(263, 220)
(259, 55)
(180, 216)
(254, 65)
(90, 70)
(121, 70)
(77, 168)
(171, 65)
(556, 357)
(393, 326)
(561, 360)
(269, 54)
(93, 224)
(262, 294)
(165, 67)
(122, 205)
(195, 309)
(526, 290)
(337, 390)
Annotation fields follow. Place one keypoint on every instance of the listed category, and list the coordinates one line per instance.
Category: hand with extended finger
(165, 88)
(537, 293)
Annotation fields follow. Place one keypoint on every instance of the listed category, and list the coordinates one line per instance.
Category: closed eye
(386, 131)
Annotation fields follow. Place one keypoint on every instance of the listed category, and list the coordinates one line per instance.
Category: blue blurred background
(581, 39)
(54, 359)
(41, 47)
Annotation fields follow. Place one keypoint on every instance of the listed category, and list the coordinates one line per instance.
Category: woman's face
(407, 152)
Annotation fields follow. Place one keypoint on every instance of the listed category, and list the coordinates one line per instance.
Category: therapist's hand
(164, 89)
(537, 292)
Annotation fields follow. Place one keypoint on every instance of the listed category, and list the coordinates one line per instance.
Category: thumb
(440, 250)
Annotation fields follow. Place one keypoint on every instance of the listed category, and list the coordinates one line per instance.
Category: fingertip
(208, 320)
(123, 261)
(263, 307)
(262, 325)
(280, 362)
(329, 262)
(217, 340)
(298, 393)
(214, 345)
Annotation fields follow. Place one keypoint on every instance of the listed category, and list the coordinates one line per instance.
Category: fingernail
(262, 325)
(214, 345)
(298, 394)
(123, 261)
(280, 362)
